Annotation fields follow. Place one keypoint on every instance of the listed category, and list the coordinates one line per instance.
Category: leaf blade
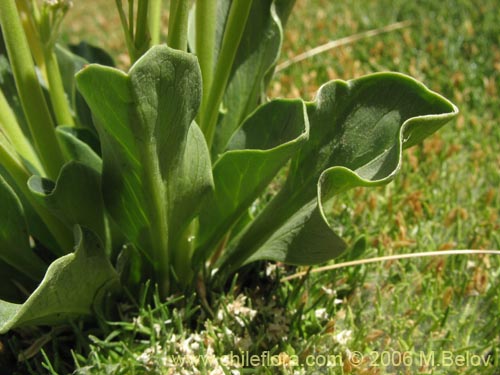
(257, 54)
(62, 295)
(14, 244)
(359, 129)
(145, 122)
(258, 150)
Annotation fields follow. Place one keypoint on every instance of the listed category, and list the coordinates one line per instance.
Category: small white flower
(55, 4)
(238, 310)
(321, 314)
(157, 329)
(146, 357)
(343, 337)
(329, 291)
(270, 269)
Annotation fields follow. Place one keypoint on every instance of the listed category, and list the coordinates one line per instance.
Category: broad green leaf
(15, 249)
(75, 198)
(361, 127)
(36, 225)
(358, 130)
(8, 86)
(156, 166)
(70, 62)
(304, 239)
(13, 125)
(69, 65)
(257, 53)
(70, 288)
(257, 151)
(284, 9)
(191, 180)
(80, 144)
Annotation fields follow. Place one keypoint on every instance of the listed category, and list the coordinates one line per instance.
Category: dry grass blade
(389, 257)
(341, 42)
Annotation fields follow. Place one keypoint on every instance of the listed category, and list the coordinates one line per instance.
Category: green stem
(284, 205)
(206, 15)
(172, 14)
(158, 217)
(184, 252)
(136, 33)
(58, 97)
(178, 24)
(154, 21)
(127, 28)
(131, 26)
(174, 4)
(238, 15)
(29, 22)
(10, 126)
(141, 37)
(61, 234)
(32, 99)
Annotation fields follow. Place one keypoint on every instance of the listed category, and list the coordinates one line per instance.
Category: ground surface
(437, 315)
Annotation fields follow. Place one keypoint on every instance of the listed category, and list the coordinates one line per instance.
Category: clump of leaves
(112, 177)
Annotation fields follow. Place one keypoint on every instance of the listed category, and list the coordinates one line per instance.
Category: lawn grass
(429, 312)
